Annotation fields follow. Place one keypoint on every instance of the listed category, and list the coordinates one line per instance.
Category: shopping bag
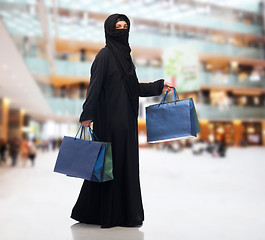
(171, 120)
(107, 171)
(77, 157)
(98, 168)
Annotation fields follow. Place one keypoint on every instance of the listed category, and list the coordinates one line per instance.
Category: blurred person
(174, 146)
(14, 150)
(3, 147)
(53, 142)
(215, 148)
(24, 151)
(59, 142)
(210, 146)
(221, 148)
(32, 152)
(243, 142)
(198, 147)
(112, 103)
(45, 145)
(26, 46)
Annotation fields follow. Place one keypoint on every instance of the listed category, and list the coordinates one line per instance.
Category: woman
(32, 152)
(112, 104)
(24, 151)
(14, 150)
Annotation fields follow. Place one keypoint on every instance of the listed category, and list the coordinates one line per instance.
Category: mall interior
(211, 51)
(54, 43)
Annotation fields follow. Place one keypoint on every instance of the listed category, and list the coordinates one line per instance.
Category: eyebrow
(120, 24)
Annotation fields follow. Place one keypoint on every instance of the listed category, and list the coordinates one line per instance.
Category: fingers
(86, 123)
(168, 86)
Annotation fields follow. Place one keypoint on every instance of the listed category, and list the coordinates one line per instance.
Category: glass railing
(219, 79)
(137, 38)
(155, 40)
(67, 68)
(17, 20)
(144, 74)
(205, 78)
(66, 106)
(38, 65)
(63, 67)
(94, 5)
(73, 107)
(210, 112)
(246, 5)
(173, 15)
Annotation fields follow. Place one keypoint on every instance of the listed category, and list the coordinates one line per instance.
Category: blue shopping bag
(77, 157)
(107, 169)
(98, 169)
(171, 120)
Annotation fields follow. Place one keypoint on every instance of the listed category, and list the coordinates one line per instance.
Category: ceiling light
(6, 101)
(234, 64)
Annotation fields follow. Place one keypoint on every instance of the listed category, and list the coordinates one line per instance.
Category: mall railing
(202, 46)
(73, 107)
(145, 74)
(250, 6)
(38, 65)
(65, 106)
(97, 6)
(209, 112)
(67, 68)
(79, 32)
(219, 79)
(187, 18)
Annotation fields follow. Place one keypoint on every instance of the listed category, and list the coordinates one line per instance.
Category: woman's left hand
(167, 87)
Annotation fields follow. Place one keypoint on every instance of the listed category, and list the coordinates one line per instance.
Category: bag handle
(176, 97)
(82, 128)
(78, 132)
(92, 134)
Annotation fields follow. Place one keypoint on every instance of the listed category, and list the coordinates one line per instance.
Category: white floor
(185, 197)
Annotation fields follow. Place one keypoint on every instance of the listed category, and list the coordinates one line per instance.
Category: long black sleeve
(98, 73)
(151, 89)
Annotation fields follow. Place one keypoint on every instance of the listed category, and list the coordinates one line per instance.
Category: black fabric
(108, 104)
(117, 40)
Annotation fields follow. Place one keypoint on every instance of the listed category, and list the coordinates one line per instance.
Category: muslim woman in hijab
(112, 103)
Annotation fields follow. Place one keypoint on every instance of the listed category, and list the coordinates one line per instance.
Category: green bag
(107, 173)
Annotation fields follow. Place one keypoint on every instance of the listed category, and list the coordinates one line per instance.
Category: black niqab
(117, 42)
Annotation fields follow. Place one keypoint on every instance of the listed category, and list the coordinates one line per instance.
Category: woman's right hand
(86, 123)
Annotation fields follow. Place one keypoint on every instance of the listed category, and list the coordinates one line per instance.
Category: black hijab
(117, 42)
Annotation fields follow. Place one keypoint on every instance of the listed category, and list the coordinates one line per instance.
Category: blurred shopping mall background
(212, 51)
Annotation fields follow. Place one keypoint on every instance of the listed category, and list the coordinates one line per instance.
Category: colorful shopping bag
(107, 172)
(77, 157)
(171, 120)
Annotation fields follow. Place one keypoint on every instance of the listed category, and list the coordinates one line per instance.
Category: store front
(235, 133)
(252, 133)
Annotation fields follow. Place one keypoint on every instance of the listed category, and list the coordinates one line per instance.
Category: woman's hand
(167, 87)
(86, 123)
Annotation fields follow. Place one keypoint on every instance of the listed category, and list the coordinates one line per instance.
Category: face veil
(117, 40)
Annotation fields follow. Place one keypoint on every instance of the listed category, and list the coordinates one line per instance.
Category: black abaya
(117, 202)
